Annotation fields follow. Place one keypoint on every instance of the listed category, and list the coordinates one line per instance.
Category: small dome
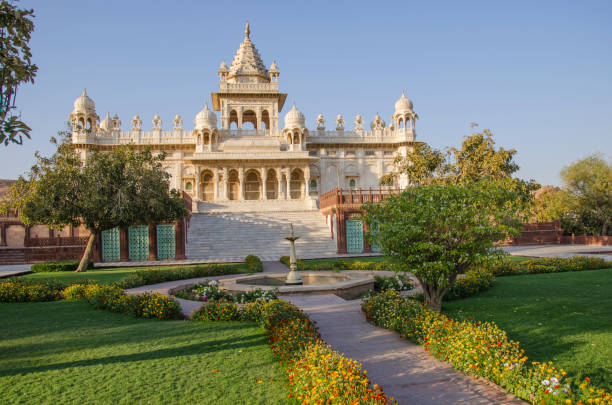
(205, 119)
(223, 67)
(377, 123)
(403, 104)
(273, 67)
(84, 104)
(106, 123)
(294, 118)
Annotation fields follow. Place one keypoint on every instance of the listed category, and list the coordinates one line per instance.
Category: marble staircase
(237, 229)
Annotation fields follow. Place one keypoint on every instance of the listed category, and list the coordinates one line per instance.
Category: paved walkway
(403, 369)
(560, 251)
(11, 270)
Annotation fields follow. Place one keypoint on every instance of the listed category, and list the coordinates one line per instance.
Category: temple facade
(242, 150)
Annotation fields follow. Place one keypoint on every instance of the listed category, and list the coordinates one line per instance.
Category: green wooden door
(166, 247)
(354, 236)
(111, 245)
(139, 242)
(374, 247)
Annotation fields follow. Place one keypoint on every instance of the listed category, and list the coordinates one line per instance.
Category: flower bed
(505, 267)
(114, 299)
(479, 349)
(317, 374)
(19, 290)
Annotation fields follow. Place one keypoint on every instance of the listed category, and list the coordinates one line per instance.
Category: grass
(560, 317)
(65, 352)
(103, 275)
(346, 259)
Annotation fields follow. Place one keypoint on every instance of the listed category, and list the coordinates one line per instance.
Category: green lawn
(68, 353)
(103, 275)
(346, 259)
(562, 317)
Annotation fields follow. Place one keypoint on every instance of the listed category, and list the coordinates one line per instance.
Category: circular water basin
(314, 282)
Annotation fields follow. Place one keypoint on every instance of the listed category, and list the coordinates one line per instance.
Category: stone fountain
(293, 278)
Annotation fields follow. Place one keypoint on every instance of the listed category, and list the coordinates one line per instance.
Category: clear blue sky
(538, 73)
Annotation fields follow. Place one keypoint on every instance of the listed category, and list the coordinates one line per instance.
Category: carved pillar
(241, 180)
(197, 183)
(3, 235)
(152, 242)
(224, 195)
(288, 178)
(179, 240)
(124, 244)
(258, 118)
(279, 181)
(264, 186)
(215, 184)
(341, 231)
(307, 181)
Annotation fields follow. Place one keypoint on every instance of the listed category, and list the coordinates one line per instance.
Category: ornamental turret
(295, 132)
(83, 116)
(404, 115)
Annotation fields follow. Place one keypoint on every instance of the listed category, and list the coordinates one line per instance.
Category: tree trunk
(434, 300)
(87, 253)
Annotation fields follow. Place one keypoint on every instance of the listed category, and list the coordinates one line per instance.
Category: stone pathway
(11, 270)
(403, 369)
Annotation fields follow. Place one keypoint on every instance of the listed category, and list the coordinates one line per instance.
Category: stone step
(240, 233)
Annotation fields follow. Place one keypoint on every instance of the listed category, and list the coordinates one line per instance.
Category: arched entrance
(272, 185)
(233, 185)
(252, 186)
(297, 184)
(208, 186)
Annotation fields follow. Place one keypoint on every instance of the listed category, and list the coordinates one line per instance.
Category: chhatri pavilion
(241, 150)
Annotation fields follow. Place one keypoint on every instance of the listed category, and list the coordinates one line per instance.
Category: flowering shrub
(398, 282)
(114, 299)
(17, 290)
(205, 292)
(255, 295)
(217, 311)
(480, 349)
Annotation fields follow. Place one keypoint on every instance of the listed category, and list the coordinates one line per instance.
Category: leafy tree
(477, 159)
(589, 182)
(437, 232)
(121, 187)
(551, 204)
(16, 68)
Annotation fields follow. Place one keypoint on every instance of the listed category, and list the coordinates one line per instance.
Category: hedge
(479, 349)
(253, 264)
(146, 277)
(51, 267)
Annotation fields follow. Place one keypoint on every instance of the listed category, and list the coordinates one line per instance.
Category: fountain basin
(347, 286)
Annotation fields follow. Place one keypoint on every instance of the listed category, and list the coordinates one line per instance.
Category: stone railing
(338, 196)
(135, 137)
(271, 87)
(244, 132)
(56, 241)
(361, 136)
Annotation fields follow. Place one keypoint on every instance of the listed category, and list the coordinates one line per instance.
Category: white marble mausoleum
(240, 149)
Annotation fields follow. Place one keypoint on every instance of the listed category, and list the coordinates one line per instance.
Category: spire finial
(84, 92)
(247, 30)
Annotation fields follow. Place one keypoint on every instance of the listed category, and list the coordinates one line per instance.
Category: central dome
(205, 119)
(294, 118)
